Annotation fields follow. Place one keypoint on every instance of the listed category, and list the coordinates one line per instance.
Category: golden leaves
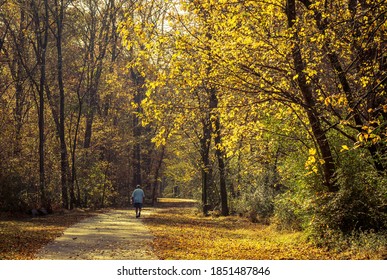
(21, 238)
(242, 50)
(311, 163)
(336, 100)
(344, 148)
(183, 234)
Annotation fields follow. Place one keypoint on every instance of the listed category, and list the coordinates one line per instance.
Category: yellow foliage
(344, 148)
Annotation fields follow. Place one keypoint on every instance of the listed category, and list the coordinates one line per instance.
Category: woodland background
(271, 109)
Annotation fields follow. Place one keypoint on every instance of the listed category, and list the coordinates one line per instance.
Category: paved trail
(115, 235)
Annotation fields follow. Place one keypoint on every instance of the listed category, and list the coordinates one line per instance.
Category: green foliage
(180, 169)
(359, 205)
(361, 202)
(292, 208)
(354, 245)
(97, 189)
(256, 198)
(288, 213)
(258, 206)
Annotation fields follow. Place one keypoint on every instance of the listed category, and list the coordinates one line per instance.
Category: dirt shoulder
(114, 235)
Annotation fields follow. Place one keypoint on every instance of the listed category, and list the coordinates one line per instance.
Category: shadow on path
(114, 235)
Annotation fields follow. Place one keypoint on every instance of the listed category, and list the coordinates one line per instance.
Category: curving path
(115, 235)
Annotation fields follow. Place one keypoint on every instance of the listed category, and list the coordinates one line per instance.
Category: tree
(365, 62)
(310, 104)
(41, 29)
(145, 23)
(203, 92)
(59, 114)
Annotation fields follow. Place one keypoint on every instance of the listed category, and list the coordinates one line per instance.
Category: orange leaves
(21, 238)
(183, 234)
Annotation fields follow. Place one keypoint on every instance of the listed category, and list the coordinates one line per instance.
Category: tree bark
(19, 80)
(310, 106)
(205, 143)
(65, 168)
(41, 34)
(157, 174)
(139, 82)
(343, 79)
(219, 153)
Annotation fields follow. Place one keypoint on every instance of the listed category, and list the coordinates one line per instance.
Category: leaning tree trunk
(311, 111)
(341, 74)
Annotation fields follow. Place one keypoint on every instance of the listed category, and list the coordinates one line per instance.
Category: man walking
(138, 199)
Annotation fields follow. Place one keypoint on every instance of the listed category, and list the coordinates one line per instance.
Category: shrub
(288, 213)
(354, 245)
(355, 217)
(257, 205)
(359, 205)
(12, 193)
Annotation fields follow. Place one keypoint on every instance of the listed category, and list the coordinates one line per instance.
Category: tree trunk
(219, 153)
(42, 39)
(139, 82)
(19, 79)
(65, 168)
(205, 143)
(89, 126)
(222, 170)
(342, 77)
(157, 174)
(311, 111)
(74, 148)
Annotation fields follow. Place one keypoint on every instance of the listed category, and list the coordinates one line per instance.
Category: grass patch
(22, 237)
(181, 233)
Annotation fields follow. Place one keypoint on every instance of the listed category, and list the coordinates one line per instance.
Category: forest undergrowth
(182, 233)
